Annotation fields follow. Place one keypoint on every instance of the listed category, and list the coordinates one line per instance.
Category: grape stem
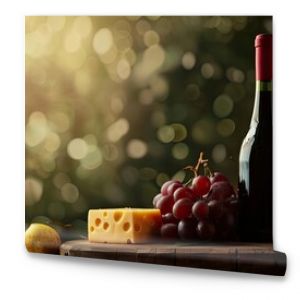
(200, 161)
(188, 182)
(191, 168)
(207, 170)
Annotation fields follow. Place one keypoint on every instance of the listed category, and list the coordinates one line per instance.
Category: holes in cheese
(124, 225)
(105, 226)
(117, 216)
(137, 227)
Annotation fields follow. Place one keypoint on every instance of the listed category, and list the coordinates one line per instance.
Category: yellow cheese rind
(123, 225)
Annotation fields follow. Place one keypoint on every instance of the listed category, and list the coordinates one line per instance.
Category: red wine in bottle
(255, 160)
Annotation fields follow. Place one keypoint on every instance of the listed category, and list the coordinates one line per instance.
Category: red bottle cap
(263, 57)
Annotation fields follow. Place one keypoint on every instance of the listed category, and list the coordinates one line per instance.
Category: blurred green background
(115, 106)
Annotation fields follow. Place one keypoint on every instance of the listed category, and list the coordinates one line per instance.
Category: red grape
(165, 204)
(205, 230)
(216, 209)
(205, 210)
(169, 231)
(182, 208)
(184, 192)
(221, 190)
(187, 229)
(169, 218)
(173, 187)
(156, 198)
(165, 186)
(217, 177)
(200, 210)
(201, 185)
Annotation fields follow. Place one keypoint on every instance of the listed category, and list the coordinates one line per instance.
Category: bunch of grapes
(203, 209)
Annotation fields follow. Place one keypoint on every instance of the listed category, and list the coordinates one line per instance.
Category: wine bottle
(255, 160)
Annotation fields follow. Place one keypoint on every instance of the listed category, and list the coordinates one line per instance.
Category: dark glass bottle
(255, 161)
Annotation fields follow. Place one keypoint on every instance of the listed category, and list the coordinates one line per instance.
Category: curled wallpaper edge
(246, 258)
(138, 142)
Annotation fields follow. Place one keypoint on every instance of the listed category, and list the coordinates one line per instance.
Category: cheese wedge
(123, 225)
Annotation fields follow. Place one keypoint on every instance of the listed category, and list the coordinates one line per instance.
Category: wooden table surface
(250, 258)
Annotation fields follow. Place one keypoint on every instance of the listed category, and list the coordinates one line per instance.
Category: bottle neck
(262, 104)
(263, 57)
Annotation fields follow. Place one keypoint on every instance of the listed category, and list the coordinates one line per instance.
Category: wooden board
(250, 258)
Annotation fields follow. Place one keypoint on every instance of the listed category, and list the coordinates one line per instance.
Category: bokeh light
(117, 130)
(103, 41)
(207, 70)
(166, 134)
(219, 153)
(180, 151)
(77, 148)
(36, 129)
(93, 159)
(223, 106)
(188, 60)
(136, 148)
(225, 127)
(33, 190)
(151, 38)
(69, 192)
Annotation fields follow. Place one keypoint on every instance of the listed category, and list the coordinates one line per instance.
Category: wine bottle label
(263, 85)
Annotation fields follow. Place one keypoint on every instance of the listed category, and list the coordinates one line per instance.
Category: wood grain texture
(249, 258)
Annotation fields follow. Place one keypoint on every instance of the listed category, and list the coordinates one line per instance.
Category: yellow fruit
(42, 238)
